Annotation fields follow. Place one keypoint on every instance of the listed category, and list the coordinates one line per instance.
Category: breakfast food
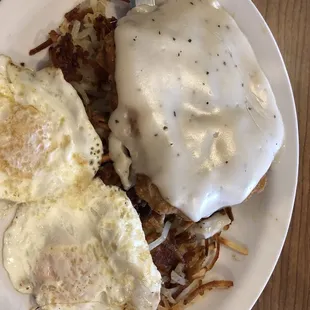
(88, 249)
(47, 144)
(189, 127)
(195, 111)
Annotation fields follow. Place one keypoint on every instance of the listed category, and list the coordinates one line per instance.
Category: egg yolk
(24, 142)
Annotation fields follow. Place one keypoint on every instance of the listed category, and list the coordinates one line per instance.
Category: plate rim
(250, 300)
(291, 99)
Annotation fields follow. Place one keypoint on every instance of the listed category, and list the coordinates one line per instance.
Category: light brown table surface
(289, 286)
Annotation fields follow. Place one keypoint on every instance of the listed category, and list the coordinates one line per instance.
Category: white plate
(262, 222)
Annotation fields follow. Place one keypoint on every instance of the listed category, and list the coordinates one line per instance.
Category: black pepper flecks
(226, 162)
(156, 135)
(171, 144)
(203, 84)
(153, 19)
(116, 121)
(207, 102)
(227, 27)
(165, 128)
(219, 26)
(236, 66)
(173, 39)
(274, 116)
(224, 63)
(178, 154)
(218, 55)
(196, 61)
(207, 73)
(159, 32)
(250, 109)
(192, 3)
(91, 162)
(242, 84)
(174, 114)
(190, 40)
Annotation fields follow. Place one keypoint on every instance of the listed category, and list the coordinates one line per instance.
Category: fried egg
(47, 144)
(86, 251)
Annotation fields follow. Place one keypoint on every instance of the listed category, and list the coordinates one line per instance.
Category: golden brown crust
(153, 223)
(259, 187)
(149, 192)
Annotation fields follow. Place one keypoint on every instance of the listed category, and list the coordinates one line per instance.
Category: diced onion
(179, 269)
(168, 293)
(176, 278)
(84, 33)
(75, 29)
(162, 238)
(209, 227)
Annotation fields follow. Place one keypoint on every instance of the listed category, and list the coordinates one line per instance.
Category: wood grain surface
(289, 286)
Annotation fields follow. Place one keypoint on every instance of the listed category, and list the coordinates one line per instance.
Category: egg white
(47, 144)
(82, 252)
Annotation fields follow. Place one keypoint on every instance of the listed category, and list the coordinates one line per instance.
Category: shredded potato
(207, 287)
(234, 246)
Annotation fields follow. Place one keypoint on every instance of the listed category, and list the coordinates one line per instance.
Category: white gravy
(195, 111)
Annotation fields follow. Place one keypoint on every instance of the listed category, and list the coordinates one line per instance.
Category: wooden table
(289, 287)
